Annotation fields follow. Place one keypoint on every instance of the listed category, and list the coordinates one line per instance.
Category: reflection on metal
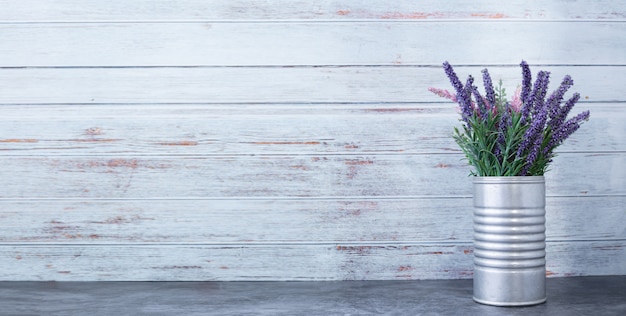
(509, 241)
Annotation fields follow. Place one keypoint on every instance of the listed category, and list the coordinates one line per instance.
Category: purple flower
(454, 80)
(466, 105)
(480, 101)
(463, 94)
(490, 94)
(533, 97)
(560, 134)
(535, 134)
(532, 156)
(557, 96)
(539, 91)
(503, 138)
(526, 82)
(563, 112)
(538, 120)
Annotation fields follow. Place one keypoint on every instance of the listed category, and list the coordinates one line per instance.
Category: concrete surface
(566, 296)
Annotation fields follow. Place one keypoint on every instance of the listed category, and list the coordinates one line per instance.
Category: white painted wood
(209, 129)
(285, 140)
(336, 261)
(336, 10)
(283, 176)
(273, 85)
(277, 44)
(299, 220)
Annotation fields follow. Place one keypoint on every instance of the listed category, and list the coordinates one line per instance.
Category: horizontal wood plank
(284, 262)
(275, 44)
(275, 85)
(204, 129)
(284, 176)
(261, 221)
(235, 10)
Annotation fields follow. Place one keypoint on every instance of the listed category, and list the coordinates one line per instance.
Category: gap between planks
(405, 65)
(289, 198)
(330, 154)
(246, 244)
(317, 21)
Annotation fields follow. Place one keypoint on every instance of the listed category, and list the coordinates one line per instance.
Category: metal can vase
(509, 240)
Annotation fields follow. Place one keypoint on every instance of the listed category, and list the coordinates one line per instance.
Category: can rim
(510, 179)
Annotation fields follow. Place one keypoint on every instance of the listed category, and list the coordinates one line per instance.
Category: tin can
(509, 240)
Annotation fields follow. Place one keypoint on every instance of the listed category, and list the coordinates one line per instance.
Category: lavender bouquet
(516, 137)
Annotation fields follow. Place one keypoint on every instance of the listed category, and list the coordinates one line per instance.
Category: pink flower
(516, 101)
(443, 93)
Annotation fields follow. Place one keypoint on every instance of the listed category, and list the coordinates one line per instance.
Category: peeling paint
(288, 143)
(412, 15)
(358, 249)
(358, 162)
(490, 15)
(300, 167)
(394, 110)
(179, 267)
(356, 208)
(180, 143)
(93, 131)
(95, 140)
(26, 140)
(111, 163)
(117, 163)
(438, 253)
(355, 165)
(121, 220)
(316, 159)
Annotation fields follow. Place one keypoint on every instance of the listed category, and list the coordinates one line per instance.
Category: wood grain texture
(283, 176)
(286, 140)
(310, 44)
(300, 220)
(340, 261)
(274, 85)
(244, 129)
(336, 10)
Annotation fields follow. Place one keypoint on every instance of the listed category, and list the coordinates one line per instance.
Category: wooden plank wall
(286, 140)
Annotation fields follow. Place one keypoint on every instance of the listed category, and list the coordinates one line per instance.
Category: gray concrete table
(566, 296)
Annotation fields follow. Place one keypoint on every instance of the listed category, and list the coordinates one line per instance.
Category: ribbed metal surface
(509, 240)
